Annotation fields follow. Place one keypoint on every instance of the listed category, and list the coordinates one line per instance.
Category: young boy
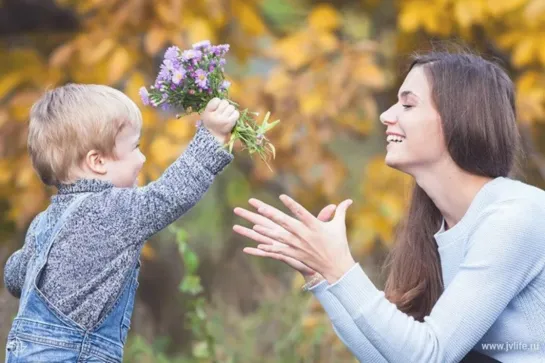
(77, 273)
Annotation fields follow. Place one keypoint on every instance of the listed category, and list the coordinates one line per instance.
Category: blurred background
(327, 69)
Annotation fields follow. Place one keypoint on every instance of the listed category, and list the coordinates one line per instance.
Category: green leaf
(191, 261)
(191, 284)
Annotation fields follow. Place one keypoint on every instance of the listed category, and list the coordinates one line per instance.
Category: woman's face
(413, 127)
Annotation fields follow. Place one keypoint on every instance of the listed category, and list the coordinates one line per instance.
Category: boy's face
(123, 170)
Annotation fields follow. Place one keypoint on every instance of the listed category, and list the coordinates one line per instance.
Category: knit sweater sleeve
(505, 252)
(16, 265)
(344, 326)
(138, 213)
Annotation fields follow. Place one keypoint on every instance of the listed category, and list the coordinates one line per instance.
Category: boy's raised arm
(142, 212)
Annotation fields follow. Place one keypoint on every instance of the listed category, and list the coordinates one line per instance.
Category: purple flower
(191, 54)
(144, 95)
(172, 53)
(225, 85)
(168, 64)
(259, 139)
(222, 62)
(164, 74)
(201, 78)
(205, 44)
(223, 48)
(178, 76)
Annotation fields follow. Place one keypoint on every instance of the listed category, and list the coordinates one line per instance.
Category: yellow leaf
(278, 82)
(310, 322)
(369, 74)
(134, 83)
(248, 17)
(509, 39)
(411, 18)
(311, 103)
(25, 174)
(61, 55)
(9, 82)
(98, 52)
(527, 81)
(468, 12)
(4, 116)
(199, 29)
(155, 39)
(501, 7)
(180, 129)
(327, 42)
(524, 52)
(21, 103)
(534, 9)
(541, 50)
(148, 253)
(324, 17)
(6, 171)
(119, 64)
(164, 12)
(294, 50)
(163, 151)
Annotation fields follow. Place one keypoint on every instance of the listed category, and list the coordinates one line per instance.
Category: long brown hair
(476, 101)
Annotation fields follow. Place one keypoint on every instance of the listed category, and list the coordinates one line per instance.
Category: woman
(467, 269)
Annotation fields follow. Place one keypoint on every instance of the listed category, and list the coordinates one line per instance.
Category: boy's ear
(96, 162)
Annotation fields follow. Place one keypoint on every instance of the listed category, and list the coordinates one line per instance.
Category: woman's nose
(388, 117)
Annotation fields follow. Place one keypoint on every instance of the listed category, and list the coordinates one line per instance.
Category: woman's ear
(96, 162)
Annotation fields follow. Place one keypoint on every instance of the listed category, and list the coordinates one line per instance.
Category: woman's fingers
(299, 211)
(254, 217)
(326, 213)
(280, 218)
(250, 233)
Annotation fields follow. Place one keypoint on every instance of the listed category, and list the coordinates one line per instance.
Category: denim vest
(41, 333)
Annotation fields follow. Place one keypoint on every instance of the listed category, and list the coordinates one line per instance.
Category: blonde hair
(69, 121)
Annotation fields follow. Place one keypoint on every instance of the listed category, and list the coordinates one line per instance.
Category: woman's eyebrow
(407, 93)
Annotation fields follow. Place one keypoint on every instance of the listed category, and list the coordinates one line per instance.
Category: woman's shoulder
(513, 207)
(510, 195)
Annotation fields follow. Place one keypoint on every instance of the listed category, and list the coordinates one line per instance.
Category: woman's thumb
(340, 213)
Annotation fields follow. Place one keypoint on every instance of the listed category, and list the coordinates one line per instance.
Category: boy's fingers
(229, 110)
(213, 104)
(234, 117)
(222, 106)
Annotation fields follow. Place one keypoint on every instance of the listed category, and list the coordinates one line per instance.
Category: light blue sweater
(493, 265)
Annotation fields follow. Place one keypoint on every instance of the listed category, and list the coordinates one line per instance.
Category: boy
(77, 273)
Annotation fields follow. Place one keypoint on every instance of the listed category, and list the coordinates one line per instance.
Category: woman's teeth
(394, 138)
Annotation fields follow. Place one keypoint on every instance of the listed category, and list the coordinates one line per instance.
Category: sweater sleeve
(138, 213)
(344, 326)
(16, 265)
(506, 251)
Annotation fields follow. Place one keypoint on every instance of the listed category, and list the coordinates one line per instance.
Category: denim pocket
(11, 348)
(32, 349)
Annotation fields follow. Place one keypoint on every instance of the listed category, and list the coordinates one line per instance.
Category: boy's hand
(219, 118)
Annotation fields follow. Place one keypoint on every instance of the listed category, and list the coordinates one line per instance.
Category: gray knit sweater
(102, 239)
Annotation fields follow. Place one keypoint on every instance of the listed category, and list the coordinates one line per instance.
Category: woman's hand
(321, 246)
(324, 215)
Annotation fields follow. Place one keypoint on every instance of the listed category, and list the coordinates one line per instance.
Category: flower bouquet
(189, 79)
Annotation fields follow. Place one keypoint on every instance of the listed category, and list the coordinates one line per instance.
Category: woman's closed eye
(406, 107)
